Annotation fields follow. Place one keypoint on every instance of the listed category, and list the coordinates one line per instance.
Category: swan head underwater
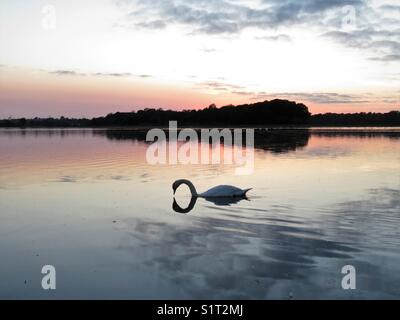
(222, 191)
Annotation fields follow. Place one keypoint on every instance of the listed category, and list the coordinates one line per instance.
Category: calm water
(87, 202)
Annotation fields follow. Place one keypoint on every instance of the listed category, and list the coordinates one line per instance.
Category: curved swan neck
(190, 185)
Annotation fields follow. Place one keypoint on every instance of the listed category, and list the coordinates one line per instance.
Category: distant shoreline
(267, 114)
(347, 128)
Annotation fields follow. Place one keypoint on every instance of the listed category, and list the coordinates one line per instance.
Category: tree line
(267, 113)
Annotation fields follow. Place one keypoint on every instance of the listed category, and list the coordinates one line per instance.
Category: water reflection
(239, 256)
(222, 201)
(89, 202)
(275, 141)
(229, 258)
(177, 208)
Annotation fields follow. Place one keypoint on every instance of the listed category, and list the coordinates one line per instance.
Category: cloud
(67, 73)
(242, 93)
(209, 50)
(155, 25)
(224, 16)
(392, 46)
(383, 45)
(278, 37)
(375, 29)
(98, 74)
(218, 86)
(118, 75)
(328, 97)
(367, 38)
(387, 58)
(314, 97)
(67, 179)
(391, 8)
(317, 97)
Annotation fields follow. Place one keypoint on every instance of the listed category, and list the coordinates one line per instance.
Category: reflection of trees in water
(358, 134)
(30, 132)
(281, 141)
(272, 140)
(123, 135)
(276, 141)
(242, 254)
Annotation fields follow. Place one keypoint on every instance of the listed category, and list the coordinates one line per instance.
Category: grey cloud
(392, 46)
(387, 58)
(279, 37)
(67, 73)
(67, 179)
(391, 8)
(317, 97)
(223, 16)
(98, 74)
(375, 31)
(383, 44)
(156, 24)
(366, 37)
(208, 50)
(242, 93)
(221, 86)
(344, 37)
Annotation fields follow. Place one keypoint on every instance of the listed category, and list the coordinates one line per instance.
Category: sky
(89, 58)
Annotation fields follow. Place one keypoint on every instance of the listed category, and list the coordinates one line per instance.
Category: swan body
(223, 191)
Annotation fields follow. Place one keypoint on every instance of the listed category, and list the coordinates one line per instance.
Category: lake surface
(89, 203)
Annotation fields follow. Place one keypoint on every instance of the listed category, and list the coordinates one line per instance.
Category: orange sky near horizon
(27, 93)
(94, 57)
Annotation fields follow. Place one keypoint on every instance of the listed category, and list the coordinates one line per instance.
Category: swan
(223, 201)
(216, 192)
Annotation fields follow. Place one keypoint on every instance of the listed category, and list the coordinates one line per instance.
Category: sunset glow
(85, 59)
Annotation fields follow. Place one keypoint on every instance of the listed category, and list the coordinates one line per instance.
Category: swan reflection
(227, 201)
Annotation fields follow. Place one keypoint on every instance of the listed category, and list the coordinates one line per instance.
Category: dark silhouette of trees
(277, 112)
(45, 123)
(267, 113)
(356, 119)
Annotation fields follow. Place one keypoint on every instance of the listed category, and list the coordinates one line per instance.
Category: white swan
(216, 192)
